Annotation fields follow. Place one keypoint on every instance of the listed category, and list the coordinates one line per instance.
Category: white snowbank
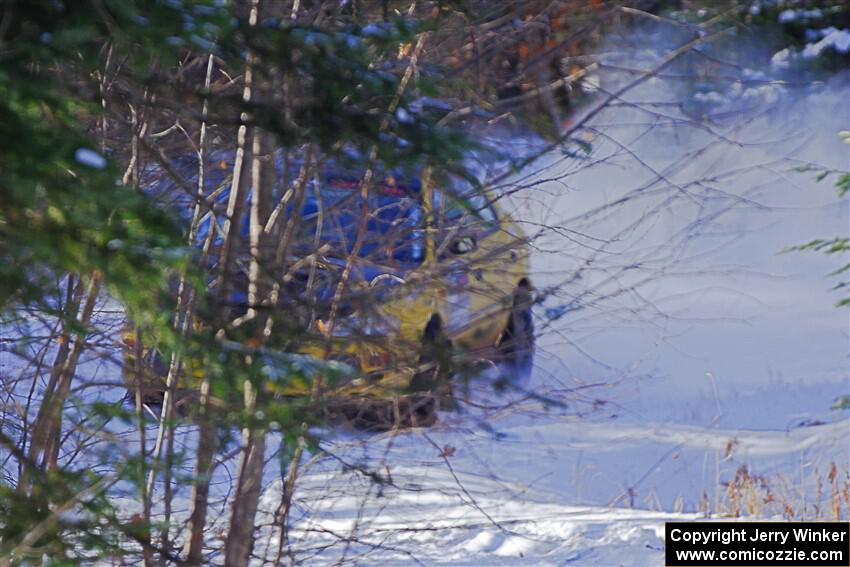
(490, 509)
(837, 40)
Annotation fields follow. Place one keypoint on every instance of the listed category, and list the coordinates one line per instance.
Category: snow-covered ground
(536, 494)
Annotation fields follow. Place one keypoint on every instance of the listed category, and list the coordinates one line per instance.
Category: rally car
(438, 282)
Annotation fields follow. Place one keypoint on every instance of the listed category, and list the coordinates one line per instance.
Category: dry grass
(749, 494)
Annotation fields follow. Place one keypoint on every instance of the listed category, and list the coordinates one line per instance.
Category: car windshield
(392, 234)
(461, 209)
(330, 215)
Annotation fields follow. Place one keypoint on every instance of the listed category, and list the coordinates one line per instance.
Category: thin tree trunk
(133, 176)
(262, 175)
(240, 538)
(147, 552)
(206, 434)
(48, 425)
(282, 516)
(51, 449)
(231, 231)
(41, 425)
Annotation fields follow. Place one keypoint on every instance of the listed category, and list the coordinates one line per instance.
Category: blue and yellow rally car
(439, 276)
